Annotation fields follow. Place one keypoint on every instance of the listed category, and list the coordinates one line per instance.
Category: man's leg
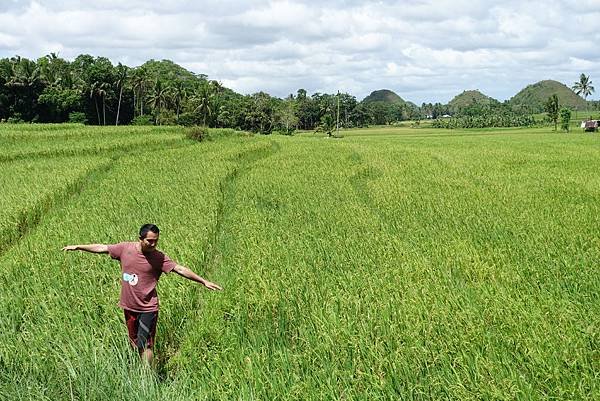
(145, 334)
(147, 356)
(131, 321)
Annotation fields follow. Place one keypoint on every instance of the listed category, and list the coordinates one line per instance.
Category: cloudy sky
(426, 51)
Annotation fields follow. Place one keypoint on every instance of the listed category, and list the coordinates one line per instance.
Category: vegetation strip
(370, 267)
(227, 187)
(92, 90)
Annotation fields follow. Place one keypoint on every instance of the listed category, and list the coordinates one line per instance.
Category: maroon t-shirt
(140, 273)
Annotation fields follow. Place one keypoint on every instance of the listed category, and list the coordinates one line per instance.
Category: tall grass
(370, 267)
(416, 268)
(61, 328)
(31, 187)
(30, 141)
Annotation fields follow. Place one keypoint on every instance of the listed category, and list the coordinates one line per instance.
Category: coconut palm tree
(24, 83)
(180, 94)
(158, 98)
(216, 90)
(138, 82)
(50, 69)
(99, 90)
(25, 73)
(121, 77)
(93, 91)
(203, 100)
(583, 87)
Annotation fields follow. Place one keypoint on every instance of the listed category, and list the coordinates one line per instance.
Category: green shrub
(77, 117)
(197, 133)
(142, 120)
(15, 119)
(200, 133)
(565, 119)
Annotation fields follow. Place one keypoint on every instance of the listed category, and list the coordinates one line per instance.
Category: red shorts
(141, 327)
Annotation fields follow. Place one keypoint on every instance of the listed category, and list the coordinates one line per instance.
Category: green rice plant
(61, 334)
(390, 264)
(43, 142)
(31, 187)
(407, 268)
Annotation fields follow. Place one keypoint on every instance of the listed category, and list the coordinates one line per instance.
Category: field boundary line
(28, 220)
(243, 163)
(359, 181)
(172, 143)
(446, 134)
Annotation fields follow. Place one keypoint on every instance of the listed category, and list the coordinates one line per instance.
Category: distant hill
(383, 95)
(166, 68)
(468, 98)
(533, 97)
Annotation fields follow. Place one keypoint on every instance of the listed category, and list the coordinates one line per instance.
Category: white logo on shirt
(132, 279)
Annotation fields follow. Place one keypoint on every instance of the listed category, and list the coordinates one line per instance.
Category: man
(141, 267)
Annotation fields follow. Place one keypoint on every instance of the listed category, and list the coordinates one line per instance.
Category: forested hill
(387, 107)
(383, 95)
(470, 97)
(532, 98)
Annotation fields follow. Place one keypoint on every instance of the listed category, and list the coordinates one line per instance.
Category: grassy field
(388, 264)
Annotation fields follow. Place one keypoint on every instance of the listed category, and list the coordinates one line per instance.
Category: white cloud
(425, 50)
(8, 41)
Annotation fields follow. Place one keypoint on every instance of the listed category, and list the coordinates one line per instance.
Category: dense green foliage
(477, 116)
(94, 91)
(552, 107)
(390, 264)
(565, 119)
(91, 90)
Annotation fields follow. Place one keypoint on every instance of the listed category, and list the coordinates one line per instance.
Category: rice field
(389, 264)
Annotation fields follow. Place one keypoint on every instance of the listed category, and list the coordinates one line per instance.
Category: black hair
(148, 227)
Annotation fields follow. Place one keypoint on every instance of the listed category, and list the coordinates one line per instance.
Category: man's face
(148, 244)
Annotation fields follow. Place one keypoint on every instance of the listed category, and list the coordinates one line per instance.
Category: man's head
(149, 237)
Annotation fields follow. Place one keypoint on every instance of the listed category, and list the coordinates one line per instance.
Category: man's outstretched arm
(187, 273)
(92, 248)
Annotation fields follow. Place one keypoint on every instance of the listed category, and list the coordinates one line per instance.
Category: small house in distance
(590, 125)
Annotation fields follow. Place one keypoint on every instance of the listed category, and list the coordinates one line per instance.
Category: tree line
(484, 115)
(92, 90)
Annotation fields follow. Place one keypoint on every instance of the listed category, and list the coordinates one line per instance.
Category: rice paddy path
(28, 219)
(246, 160)
(217, 240)
(360, 183)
